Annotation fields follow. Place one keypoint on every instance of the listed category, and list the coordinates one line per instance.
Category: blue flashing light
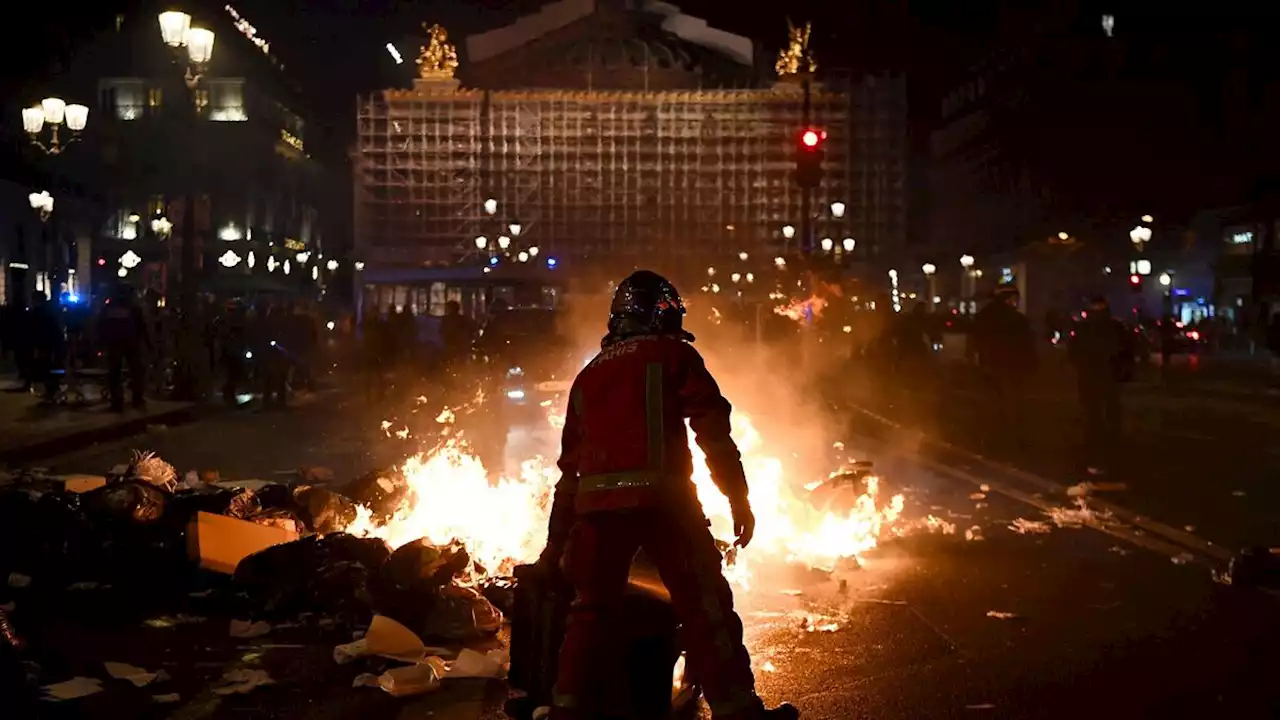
(73, 298)
(493, 261)
(551, 262)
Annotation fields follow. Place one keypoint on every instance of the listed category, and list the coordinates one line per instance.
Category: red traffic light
(810, 138)
(1135, 280)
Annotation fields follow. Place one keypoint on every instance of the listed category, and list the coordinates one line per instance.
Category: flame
(803, 310)
(503, 522)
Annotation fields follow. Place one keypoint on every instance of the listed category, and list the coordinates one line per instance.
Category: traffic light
(809, 155)
(1135, 283)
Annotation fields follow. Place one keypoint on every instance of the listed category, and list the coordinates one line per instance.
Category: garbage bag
(18, 529)
(382, 491)
(420, 566)
(450, 613)
(128, 502)
(184, 504)
(324, 511)
(323, 574)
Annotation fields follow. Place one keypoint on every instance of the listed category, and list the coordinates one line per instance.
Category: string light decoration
(250, 32)
(439, 59)
(796, 57)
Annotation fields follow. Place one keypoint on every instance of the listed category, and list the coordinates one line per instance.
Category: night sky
(335, 49)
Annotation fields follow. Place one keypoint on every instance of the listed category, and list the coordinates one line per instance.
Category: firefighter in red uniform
(627, 485)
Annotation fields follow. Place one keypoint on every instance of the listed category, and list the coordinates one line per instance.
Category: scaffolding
(605, 174)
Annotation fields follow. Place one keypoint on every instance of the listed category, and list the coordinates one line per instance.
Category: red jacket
(625, 443)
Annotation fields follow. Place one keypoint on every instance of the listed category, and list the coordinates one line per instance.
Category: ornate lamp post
(177, 33)
(54, 113)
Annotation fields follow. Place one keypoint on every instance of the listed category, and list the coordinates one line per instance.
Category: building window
(155, 97)
(122, 98)
(226, 100)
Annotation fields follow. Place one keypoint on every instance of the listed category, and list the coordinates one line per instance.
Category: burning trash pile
(282, 546)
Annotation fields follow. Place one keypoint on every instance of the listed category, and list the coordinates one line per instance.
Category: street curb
(1172, 537)
(69, 442)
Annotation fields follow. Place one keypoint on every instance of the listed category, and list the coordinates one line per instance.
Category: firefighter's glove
(744, 523)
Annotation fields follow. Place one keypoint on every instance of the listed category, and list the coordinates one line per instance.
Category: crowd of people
(264, 347)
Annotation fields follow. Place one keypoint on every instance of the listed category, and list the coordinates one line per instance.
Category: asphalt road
(1103, 625)
(1198, 455)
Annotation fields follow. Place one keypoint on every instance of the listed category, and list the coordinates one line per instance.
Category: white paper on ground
(136, 675)
(76, 687)
(247, 629)
(472, 664)
(238, 682)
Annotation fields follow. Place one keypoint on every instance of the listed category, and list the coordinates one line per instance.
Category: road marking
(1178, 541)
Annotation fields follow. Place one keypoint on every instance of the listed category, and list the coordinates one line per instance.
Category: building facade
(224, 142)
(591, 137)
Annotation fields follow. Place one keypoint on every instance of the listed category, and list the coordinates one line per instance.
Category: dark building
(1070, 120)
(227, 137)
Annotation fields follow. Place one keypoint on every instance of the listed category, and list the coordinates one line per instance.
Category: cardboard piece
(390, 639)
(81, 483)
(219, 543)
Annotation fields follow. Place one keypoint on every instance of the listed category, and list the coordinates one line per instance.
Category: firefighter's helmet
(646, 304)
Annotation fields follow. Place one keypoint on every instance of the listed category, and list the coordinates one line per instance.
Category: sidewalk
(32, 430)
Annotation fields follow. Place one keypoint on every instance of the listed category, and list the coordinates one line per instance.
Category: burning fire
(802, 310)
(503, 523)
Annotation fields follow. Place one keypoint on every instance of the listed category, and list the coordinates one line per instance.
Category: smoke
(780, 386)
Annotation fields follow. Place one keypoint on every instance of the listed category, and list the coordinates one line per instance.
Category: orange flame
(503, 522)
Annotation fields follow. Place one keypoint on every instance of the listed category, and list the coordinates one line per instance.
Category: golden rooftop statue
(796, 57)
(439, 59)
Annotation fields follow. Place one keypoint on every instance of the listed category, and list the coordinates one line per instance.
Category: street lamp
(827, 244)
(780, 261)
(743, 256)
(504, 242)
(229, 259)
(331, 266)
(966, 261)
(523, 256)
(533, 251)
(1165, 279)
(515, 228)
(54, 112)
(837, 210)
(1140, 235)
(1148, 219)
(491, 206)
(482, 242)
(788, 231)
(161, 227)
(177, 33)
(930, 273)
(711, 272)
(735, 277)
(42, 203)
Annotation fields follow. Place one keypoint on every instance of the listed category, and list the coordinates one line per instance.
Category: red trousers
(598, 562)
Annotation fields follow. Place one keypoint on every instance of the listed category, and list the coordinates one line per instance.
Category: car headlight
(515, 372)
(516, 394)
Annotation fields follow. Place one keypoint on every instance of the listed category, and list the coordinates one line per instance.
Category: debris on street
(136, 675)
(76, 687)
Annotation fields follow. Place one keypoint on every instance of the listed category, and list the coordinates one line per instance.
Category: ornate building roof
(609, 44)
